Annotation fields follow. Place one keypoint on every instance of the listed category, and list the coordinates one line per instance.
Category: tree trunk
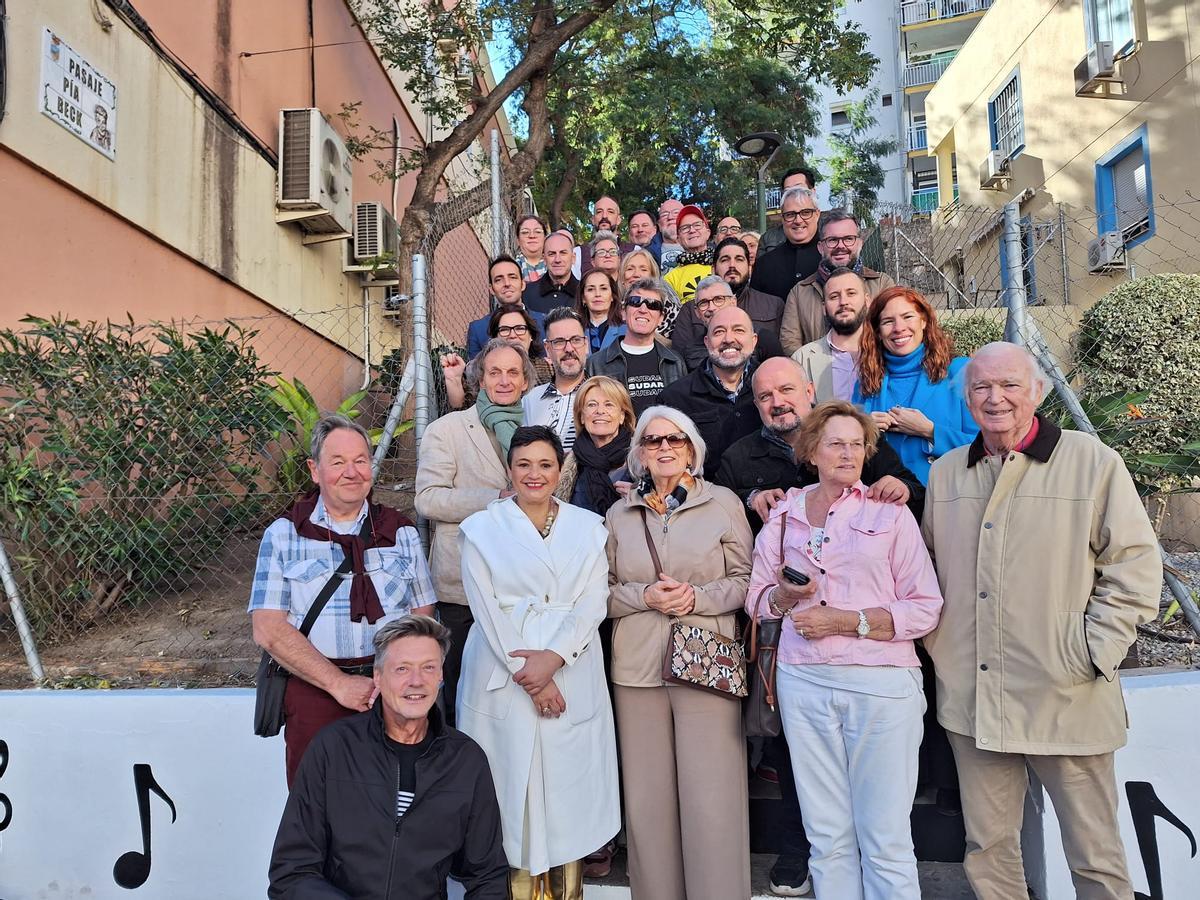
(563, 192)
(546, 36)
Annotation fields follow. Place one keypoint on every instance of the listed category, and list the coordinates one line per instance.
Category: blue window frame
(1109, 20)
(1124, 192)
(1006, 117)
(1028, 268)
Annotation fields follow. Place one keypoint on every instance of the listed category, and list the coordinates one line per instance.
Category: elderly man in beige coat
(1048, 563)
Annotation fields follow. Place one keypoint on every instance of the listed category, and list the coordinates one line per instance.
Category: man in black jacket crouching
(389, 802)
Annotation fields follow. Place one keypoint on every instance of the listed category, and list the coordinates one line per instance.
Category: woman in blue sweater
(908, 381)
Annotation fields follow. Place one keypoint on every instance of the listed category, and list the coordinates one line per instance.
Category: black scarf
(695, 258)
(595, 464)
(825, 266)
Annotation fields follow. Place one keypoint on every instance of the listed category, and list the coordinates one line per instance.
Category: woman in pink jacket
(849, 683)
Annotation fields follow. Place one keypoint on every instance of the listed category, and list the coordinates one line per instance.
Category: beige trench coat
(1048, 563)
(705, 542)
(459, 472)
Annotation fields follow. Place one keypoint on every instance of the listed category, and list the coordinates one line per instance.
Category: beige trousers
(687, 819)
(1083, 790)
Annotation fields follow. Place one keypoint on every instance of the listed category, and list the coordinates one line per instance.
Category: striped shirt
(291, 570)
(546, 406)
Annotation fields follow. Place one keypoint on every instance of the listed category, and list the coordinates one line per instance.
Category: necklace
(545, 532)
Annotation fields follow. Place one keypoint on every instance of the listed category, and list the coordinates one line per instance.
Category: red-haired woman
(908, 380)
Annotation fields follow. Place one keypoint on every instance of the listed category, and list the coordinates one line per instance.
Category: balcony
(917, 138)
(924, 200)
(923, 73)
(919, 11)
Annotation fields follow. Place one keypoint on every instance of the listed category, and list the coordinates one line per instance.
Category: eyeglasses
(793, 214)
(639, 300)
(844, 241)
(606, 253)
(530, 232)
(716, 300)
(729, 229)
(512, 330)
(674, 441)
(560, 344)
(691, 227)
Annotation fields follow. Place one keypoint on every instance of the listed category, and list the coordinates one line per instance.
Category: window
(839, 118)
(1006, 119)
(1124, 195)
(887, 100)
(1109, 20)
(1029, 249)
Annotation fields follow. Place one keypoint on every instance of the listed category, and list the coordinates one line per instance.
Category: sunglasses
(674, 441)
(639, 300)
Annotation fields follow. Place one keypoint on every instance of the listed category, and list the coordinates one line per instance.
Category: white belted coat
(556, 779)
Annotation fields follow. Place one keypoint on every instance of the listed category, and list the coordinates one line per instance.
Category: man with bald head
(716, 396)
(559, 285)
(1048, 563)
(760, 468)
(712, 294)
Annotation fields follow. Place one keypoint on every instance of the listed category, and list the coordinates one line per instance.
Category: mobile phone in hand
(795, 577)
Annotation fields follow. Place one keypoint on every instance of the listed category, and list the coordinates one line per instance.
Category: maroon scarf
(384, 522)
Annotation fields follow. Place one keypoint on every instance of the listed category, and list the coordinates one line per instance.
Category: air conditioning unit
(376, 242)
(1096, 68)
(313, 186)
(1107, 252)
(993, 171)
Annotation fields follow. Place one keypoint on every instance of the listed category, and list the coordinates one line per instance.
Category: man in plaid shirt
(300, 553)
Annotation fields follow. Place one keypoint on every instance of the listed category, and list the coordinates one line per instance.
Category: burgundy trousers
(307, 709)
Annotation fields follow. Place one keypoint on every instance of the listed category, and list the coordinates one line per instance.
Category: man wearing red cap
(695, 262)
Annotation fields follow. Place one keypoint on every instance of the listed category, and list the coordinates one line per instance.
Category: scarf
(384, 522)
(595, 464)
(502, 421)
(695, 258)
(668, 504)
(825, 266)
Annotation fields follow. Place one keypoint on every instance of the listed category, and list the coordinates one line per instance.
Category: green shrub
(130, 455)
(970, 332)
(1144, 337)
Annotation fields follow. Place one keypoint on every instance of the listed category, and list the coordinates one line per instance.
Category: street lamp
(760, 145)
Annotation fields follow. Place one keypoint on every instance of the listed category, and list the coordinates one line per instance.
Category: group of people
(768, 431)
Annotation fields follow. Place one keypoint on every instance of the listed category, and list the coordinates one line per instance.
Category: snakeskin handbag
(697, 656)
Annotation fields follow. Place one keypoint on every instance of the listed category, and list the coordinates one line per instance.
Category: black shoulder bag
(270, 683)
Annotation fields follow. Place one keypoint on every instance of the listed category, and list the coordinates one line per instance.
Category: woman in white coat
(533, 692)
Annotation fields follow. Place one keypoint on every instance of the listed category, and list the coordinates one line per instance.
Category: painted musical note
(5, 803)
(1144, 807)
(133, 868)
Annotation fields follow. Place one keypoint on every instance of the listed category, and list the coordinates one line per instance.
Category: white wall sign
(78, 97)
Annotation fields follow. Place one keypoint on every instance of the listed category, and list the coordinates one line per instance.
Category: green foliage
(855, 173)
(129, 456)
(970, 332)
(1142, 340)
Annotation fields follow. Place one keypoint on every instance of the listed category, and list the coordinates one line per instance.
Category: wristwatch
(863, 628)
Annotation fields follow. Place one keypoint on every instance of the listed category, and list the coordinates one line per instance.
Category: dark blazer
(544, 295)
(340, 836)
(719, 420)
(477, 334)
(778, 272)
(757, 464)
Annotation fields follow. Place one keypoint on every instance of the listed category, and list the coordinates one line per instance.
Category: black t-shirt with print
(643, 379)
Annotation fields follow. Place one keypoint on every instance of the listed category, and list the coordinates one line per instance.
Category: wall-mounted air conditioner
(993, 171)
(375, 244)
(314, 179)
(1107, 252)
(1095, 69)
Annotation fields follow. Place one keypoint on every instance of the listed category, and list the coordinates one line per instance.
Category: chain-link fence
(139, 463)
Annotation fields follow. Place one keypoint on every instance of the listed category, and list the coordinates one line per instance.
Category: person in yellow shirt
(695, 262)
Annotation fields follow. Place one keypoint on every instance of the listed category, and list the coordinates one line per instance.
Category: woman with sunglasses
(642, 364)
(509, 323)
(639, 264)
(597, 304)
(683, 753)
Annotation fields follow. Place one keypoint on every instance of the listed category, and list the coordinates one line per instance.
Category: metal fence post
(18, 611)
(423, 382)
(497, 209)
(1021, 329)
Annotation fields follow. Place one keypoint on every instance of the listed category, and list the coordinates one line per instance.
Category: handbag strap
(753, 649)
(310, 617)
(650, 544)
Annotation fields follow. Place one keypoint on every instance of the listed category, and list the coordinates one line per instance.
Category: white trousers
(855, 759)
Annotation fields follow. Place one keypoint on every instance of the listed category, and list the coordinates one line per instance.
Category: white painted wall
(878, 18)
